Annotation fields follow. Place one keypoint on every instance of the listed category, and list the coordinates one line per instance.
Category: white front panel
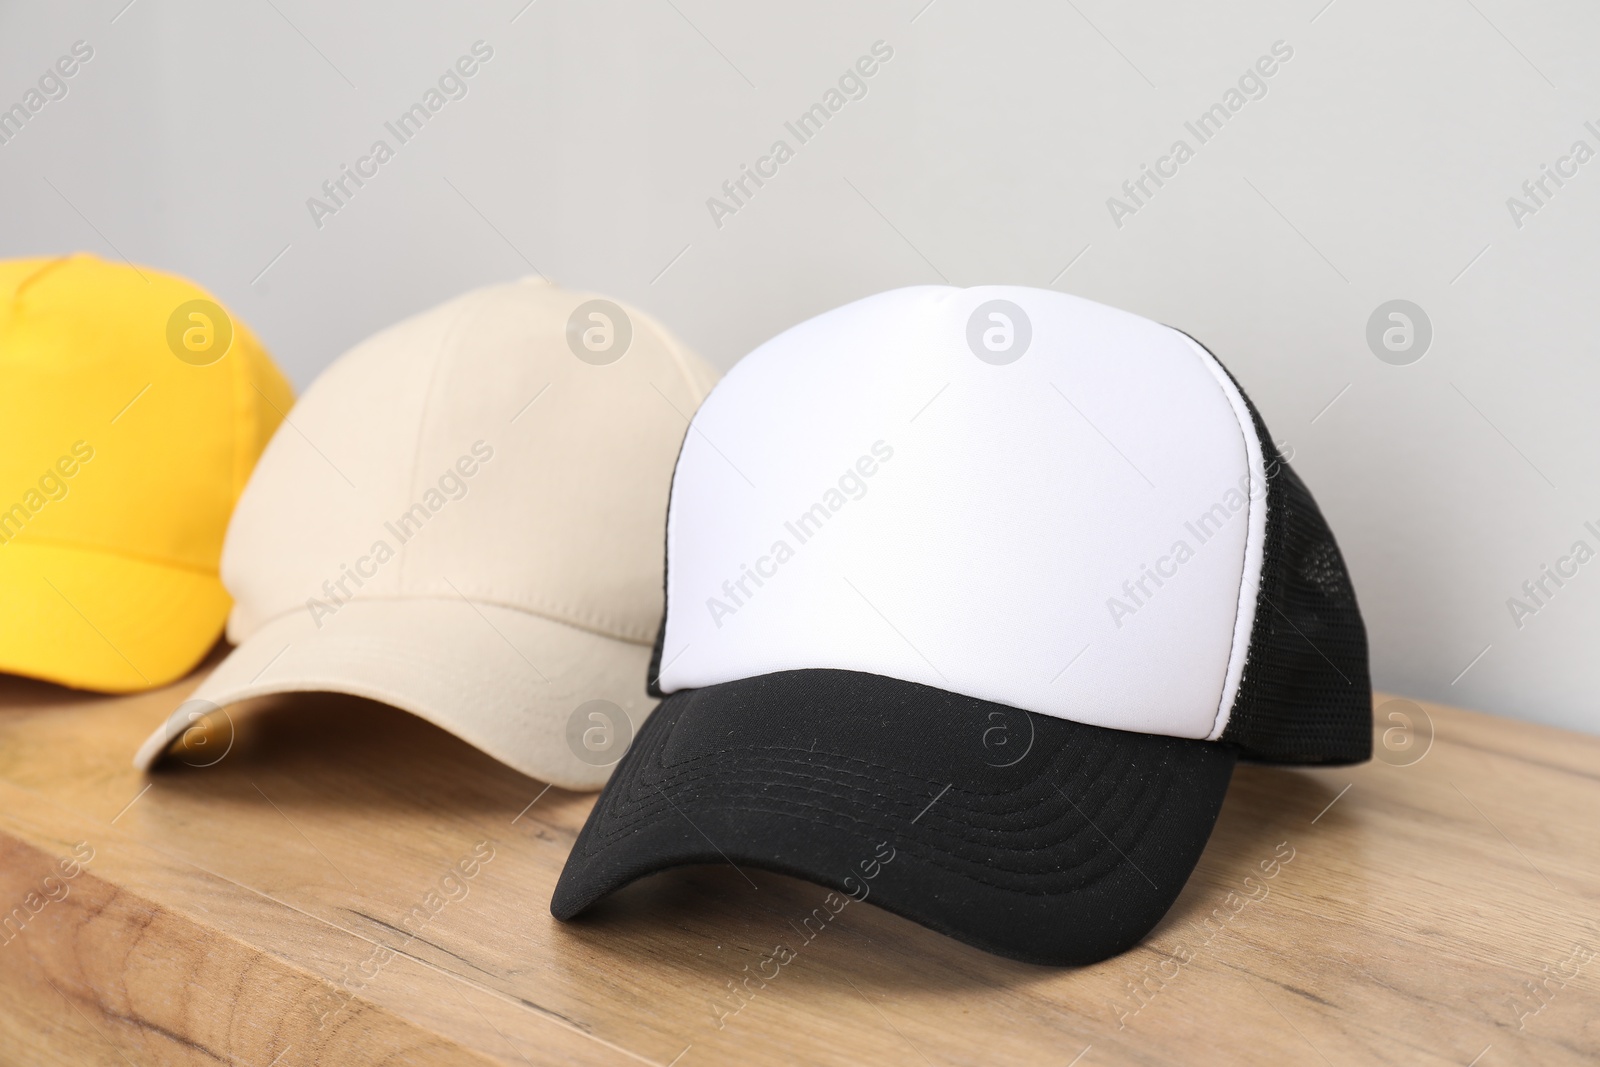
(1072, 532)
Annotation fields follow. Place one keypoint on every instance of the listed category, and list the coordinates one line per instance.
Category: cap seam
(614, 633)
(1086, 830)
(51, 542)
(869, 766)
(471, 307)
(246, 415)
(566, 616)
(678, 353)
(938, 857)
(1212, 367)
(44, 268)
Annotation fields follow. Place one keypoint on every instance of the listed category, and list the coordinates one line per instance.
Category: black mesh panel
(1306, 695)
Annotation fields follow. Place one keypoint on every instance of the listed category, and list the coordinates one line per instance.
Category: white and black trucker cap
(996, 582)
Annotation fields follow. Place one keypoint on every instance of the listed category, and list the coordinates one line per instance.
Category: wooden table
(350, 885)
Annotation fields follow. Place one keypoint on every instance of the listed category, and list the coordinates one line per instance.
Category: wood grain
(350, 885)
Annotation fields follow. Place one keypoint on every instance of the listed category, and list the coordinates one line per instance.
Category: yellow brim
(109, 623)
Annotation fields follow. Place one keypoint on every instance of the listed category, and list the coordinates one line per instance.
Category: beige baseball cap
(464, 517)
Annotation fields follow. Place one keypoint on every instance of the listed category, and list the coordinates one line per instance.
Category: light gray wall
(1377, 167)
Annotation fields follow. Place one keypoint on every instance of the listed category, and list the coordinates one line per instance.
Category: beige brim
(505, 681)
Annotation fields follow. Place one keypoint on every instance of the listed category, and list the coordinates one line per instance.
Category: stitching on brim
(937, 856)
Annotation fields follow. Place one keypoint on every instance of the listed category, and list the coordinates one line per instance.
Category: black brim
(1028, 836)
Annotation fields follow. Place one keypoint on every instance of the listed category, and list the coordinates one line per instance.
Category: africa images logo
(599, 332)
(999, 332)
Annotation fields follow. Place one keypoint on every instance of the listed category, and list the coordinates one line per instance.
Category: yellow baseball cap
(133, 410)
